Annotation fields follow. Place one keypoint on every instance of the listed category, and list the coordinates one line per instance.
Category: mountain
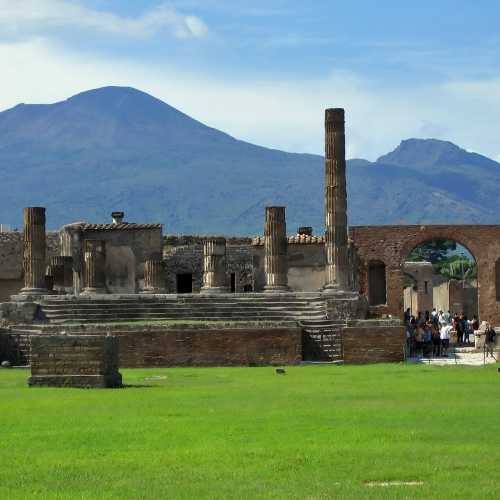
(118, 148)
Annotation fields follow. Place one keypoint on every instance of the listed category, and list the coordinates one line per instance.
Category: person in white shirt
(444, 335)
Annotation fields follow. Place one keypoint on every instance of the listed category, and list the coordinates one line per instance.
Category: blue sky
(264, 71)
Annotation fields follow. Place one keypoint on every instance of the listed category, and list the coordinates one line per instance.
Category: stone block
(74, 361)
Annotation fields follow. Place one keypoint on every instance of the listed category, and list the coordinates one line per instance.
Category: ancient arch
(392, 244)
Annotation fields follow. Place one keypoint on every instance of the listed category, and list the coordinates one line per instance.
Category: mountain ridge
(120, 148)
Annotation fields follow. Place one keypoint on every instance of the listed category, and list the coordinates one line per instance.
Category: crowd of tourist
(430, 334)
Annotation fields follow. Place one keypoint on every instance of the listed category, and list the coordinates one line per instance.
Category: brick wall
(373, 344)
(74, 360)
(392, 244)
(206, 347)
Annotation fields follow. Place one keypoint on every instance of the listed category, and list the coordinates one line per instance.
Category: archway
(442, 276)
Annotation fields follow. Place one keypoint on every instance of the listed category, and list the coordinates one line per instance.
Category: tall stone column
(34, 251)
(275, 250)
(154, 274)
(214, 266)
(94, 254)
(336, 241)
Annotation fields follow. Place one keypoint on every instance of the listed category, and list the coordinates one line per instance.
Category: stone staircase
(20, 336)
(226, 307)
(322, 340)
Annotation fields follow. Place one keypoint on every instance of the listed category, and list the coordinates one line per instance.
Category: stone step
(176, 306)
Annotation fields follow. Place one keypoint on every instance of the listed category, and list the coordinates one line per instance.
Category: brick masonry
(392, 244)
(74, 361)
(373, 344)
(223, 347)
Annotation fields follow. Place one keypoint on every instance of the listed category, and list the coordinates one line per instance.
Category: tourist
(459, 327)
(444, 335)
(441, 319)
(427, 316)
(427, 347)
(447, 317)
(466, 329)
(436, 341)
(407, 316)
(489, 340)
(419, 339)
(475, 323)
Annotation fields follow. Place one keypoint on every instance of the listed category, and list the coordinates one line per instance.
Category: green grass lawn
(316, 432)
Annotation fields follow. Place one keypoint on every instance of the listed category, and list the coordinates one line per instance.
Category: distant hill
(118, 148)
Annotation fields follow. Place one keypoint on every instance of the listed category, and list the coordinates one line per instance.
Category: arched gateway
(391, 245)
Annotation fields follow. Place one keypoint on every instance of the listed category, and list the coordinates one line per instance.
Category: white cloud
(25, 17)
(280, 113)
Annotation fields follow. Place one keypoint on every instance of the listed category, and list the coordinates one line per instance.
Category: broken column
(34, 251)
(275, 249)
(214, 266)
(336, 241)
(94, 254)
(57, 272)
(154, 274)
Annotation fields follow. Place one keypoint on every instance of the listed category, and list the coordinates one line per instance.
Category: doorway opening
(185, 283)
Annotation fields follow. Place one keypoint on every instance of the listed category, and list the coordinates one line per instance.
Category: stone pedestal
(214, 266)
(34, 251)
(75, 361)
(94, 280)
(154, 275)
(336, 241)
(275, 250)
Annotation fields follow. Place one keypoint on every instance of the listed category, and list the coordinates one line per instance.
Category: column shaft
(336, 241)
(154, 275)
(94, 264)
(275, 249)
(214, 266)
(34, 250)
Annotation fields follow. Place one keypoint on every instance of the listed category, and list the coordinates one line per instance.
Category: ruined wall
(392, 244)
(11, 261)
(184, 255)
(373, 344)
(126, 251)
(163, 347)
(306, 266)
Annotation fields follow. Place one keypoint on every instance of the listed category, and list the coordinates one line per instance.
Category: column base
(276, 289)
(94, 291)
(152, 291)
(33, 291)
(216, 290)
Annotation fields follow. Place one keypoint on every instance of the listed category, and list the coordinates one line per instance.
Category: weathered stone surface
(94, 267)
(75, 361)
(18, 311)
(34, 251)
(275, 250)
(214, 266)
(336, 242)
(154, 274)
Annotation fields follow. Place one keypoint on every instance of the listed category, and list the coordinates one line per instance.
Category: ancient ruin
(336, 297)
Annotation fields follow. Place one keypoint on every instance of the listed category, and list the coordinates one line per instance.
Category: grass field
(316, 432)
